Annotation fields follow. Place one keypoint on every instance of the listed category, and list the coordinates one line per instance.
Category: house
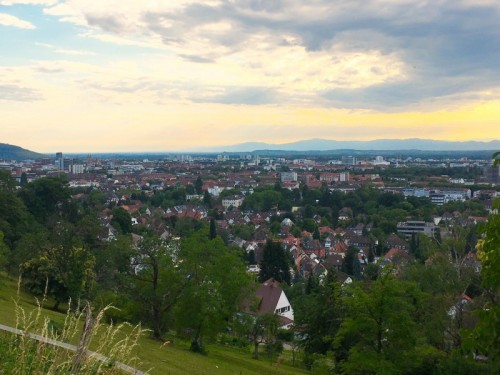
(339, 248)
(343, 278)
(361, 242)
(272, 299)
(345, 214)
(311, 246)
(334, 261)
(393, 241)
(329, 241)
(232, 201)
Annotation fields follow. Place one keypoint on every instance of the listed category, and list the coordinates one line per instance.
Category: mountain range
(318, 144)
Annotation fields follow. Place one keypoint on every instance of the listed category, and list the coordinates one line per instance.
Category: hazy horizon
(315, 145)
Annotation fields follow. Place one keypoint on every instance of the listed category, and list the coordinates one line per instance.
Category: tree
(14, 218)
(198, 185)
(207, 199)
(7, 182)
(215, 279)
(45, 197)
(380, 330)
(427, 246)
(113, 263)
(66, 273)
(261, 329)
(3, 252)
(190, 189)
(319, 313)
(122, 221)
(155, 282)
(213, 229)
(485, 338)
(443, 287)
(24, 180)
(350, 260)
(275, 263)
(316, 235)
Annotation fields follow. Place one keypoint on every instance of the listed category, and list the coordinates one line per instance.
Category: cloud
(27, 2)
(238, 95)
(15, 92)
(65, 50)
(355, 54)
(9, 20)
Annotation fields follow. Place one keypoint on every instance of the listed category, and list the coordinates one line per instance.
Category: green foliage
(44, 197)
(275, 263)
(243, 231)
(207, 199)
(261, 329)
(263, 200)
(14, 218)
(154, 282)
(4, 252)
(198, 185)
(60, 273)
(168, 197)
(485, 338)
(442, 286)
(214, 279)
(381, 329)
(122, 221)
(319, 312)
(186, 226)
(309, 225)
(7, 182)
(213, 230)
(351, 263)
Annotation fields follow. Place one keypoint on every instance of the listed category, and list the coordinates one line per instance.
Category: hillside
(172, 358)
(11, 152)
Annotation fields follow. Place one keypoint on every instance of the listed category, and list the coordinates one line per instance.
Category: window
(283, 310)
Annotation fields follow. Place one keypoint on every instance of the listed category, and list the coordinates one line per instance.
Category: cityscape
(249, 187)
(340, 219)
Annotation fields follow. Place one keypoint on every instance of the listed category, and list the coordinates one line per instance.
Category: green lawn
(174, 358)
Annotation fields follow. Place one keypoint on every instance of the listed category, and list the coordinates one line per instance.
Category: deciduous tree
(214, 281)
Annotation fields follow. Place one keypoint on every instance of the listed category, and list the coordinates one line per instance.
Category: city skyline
(109, 75)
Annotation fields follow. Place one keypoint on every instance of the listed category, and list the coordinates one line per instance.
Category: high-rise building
(492, 174)
(349, 160)
(59, 163)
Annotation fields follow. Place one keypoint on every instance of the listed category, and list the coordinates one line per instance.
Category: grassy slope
(170, 359)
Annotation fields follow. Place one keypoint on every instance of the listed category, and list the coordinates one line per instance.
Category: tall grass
(43, 347)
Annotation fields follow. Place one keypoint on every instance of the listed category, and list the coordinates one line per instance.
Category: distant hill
(10, 152)
(318, 144)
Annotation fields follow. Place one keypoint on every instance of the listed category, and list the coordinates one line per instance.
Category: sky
(172, 75)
